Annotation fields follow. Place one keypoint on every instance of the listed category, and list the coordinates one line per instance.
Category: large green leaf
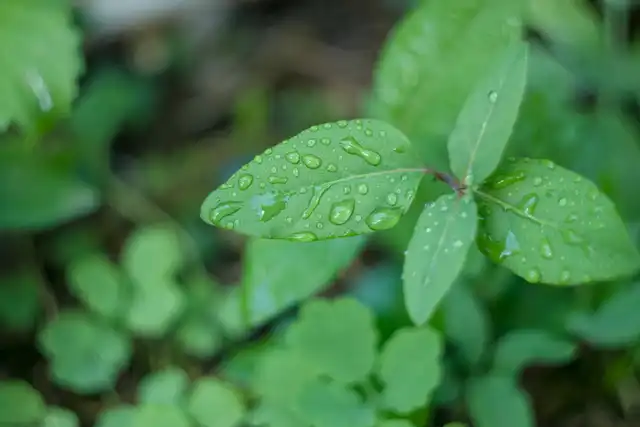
(20, 404)
(332, 180)
(42, 60)
(432, 61)
(410, 368)
(518, 349)
(487, 118)
(496, 401)
(550, 225)
(437, 251)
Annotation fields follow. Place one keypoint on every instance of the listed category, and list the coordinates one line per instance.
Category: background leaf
(496, 401)
(436, 253)
(410, 368)
(332, 180)
(550, 225)
(215, 404)
(154, 310)
(60, 417)
(160, 416)
(487, 118)
(20, 403)
(19, 300)
(165, 387)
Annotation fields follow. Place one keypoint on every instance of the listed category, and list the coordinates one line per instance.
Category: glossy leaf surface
(436, 253)
(332, 180)
(487, 118)
(550, 225)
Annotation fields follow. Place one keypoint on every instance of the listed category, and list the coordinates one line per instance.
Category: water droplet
(593, 195)
(332, 168)
(346, 189)
(537, 181)
(342, 211)
(400, 148)
(529, 203)
(325, 141)
(274, 179)
(383, 218)
(533, 275)
(458, 244)
(327, 125)
(274, 169)
(223, 210)
(571, 218)
(258, 159)
(311, 142)
(304, 236)
(351, 146)
(319, 225)
(545, 249)
(549, 164)
(570, 237)
(493, 96)
(293, 157)
(363, 189)
(229, 225)
(318, 192)
(392, 199)
(311, 161)
(343, 123)
(268, 151)
(289, 220)
(565, 276)
(504, 181)
(296, 172)
(562, 201)
(511, 246)
(269, 205)
(245, 181)
(314, 128)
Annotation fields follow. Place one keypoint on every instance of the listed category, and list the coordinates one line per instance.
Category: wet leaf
(437, 251)
(431, 62)
(215, 404)
(338, 338)
(60, 417)
(332, 180)
(487, 118)
(410, 368)
(550, 225)
(159, 416)
(496, 401)
(165, 387)
(521, 348)
(20, 403)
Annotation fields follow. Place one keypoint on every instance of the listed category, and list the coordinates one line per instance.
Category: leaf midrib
(509, 207)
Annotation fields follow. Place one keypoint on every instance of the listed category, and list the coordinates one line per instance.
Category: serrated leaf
(410, 368)
(19, 300)
(270, 286)
(466, 323)
(60, 417)
(550, 225)
(332, 180)
(215, 404)
(615, 323)
(337, 337)
(154, 310)
(85, 354)
(518, 349)
(41, 75)
(325, 404)
(434, 57)
(159, 416)
(436, 253)
(20, 403)
(119, 416)
(496, 401)
(98, 283)
(487, 118)
(166, 387)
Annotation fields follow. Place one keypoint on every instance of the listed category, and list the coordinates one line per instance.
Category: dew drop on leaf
(223, 210)
(545, 249)
(383, 218)
(311, 161)
(304, 236)
(562, 201)
(392, 199)
(293, 157)
(269, 205)
(533, 275)
(363, 189)
(351, 146)
(537, 181)
(274, 179)
(565, 276)
(245, 181)
(318, 192)
(258, 159)
(342, 211)
(332, 168)
(529, 203)
(493, 96)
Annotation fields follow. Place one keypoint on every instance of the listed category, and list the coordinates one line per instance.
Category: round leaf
(164, 387)
(282, 375)
(19, 300)
(154, 310)
(159, 416)
(496, 401)
(550, 225)
(198, 338)
(215, 404)
(276, 416)
(120, 416)
(20, 404)
(518, 349)
(60, 417)
(332, 180)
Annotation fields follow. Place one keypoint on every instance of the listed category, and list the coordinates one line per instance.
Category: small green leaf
(496, 401)
(20, 404)
(436, 253)
(488, 116)
(276, 416)
(60, 417)
(466, 323)
(518, 349)
(198, 338)
(154, 310)
(99, 284)
(332, 180)
(159, 416)
(550, 225)
(325, 404)
(337, 337)
(410, 368)
(166, 387)
(282, 375)
(615, 323)
(19, 300)
(119, 416)
(215, 404)
(41, 76)
(395, 423)
(85, 354)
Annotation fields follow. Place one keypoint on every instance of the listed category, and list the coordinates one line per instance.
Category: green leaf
(436, 253)
(270, 286)
(550, 225)
(332, 180)
(466, 323)
(119, 416)
(20, 404)
(215, 404)
(433, 58)
(85, 354)
(410, 368)
(496, 401)
(166, 387)
(337, 337)
(325, 404)
(40, 76)
(19, 300)
(282, 375)
(395, 423)
(97, 282)
(198, 338)
(615, 323)
(519, 349)
(60, 417)
(159, 416)
(276, 416)
(487, 118)
(154, 310)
